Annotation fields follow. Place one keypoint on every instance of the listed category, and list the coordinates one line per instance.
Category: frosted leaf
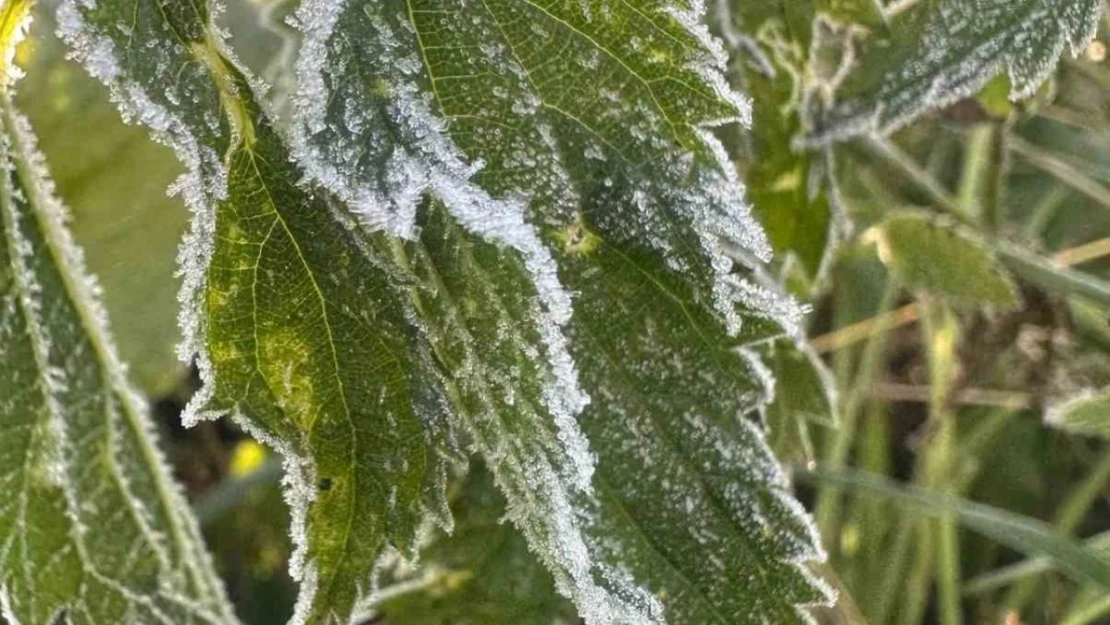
(1082, 414)
(939, 52)
(588, 127)
(93, 530)
(301, 336)
(351, 347)
(482, 574)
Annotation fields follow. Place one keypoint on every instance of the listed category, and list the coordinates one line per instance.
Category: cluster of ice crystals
(95, 449)
(956, 47)
(383, 151)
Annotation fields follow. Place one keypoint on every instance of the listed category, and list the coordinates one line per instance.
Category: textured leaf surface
(929, 254)
(297, 331)
(937, 52)
(489, 184)
(614, 186)
(92, 528)
(482, 574)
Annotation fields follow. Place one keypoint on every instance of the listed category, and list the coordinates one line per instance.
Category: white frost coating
(960, 50)
(23, 162)
(430, 164)
(338, 137)
(202, 186)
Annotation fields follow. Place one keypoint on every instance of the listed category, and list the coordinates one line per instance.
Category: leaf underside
(935, 53)
(926, 253)
(414, 294)
(92, 528)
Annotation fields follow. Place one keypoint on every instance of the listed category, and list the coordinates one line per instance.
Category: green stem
(1068, 517)
(836, 456)
(974, 177)
(1090, 613)
(1061, 170)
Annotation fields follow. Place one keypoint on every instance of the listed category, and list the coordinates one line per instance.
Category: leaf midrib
(351, 473)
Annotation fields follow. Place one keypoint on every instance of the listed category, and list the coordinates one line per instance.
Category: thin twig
(967, 397)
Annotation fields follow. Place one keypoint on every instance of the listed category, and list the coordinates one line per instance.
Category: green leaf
(631, 204)
(805, 395)
(96, 163)
(938, 52)
(1086, 414)
(1029, 536)
(791, 191)
(92, 527)
(343, 343)
(482, 574)
(928, 253)
(300, 336)
(310, 346)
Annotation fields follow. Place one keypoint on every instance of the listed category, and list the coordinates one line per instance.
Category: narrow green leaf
(1007, 575)
(927, 253)
(1087, 414)
(1029, 536)
(93, 529)
(938, 52)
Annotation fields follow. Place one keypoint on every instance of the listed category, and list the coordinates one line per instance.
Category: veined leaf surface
(615, 187)
(93, 530)
(482, 206)
(935, 53)
(299, 334)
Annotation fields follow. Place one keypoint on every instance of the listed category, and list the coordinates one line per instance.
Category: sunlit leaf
(93, 530)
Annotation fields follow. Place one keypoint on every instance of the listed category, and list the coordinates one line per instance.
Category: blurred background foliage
(959, 274)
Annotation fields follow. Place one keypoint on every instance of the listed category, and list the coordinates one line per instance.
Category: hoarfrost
(384, 126)
(87, 452)
(946, 51)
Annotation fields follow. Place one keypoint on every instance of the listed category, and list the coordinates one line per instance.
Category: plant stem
(1068, 517)
(836, 456)
(1061, 170)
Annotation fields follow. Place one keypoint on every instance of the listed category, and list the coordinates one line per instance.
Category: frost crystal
(96, 528)
(943, 51)
(464, 103)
